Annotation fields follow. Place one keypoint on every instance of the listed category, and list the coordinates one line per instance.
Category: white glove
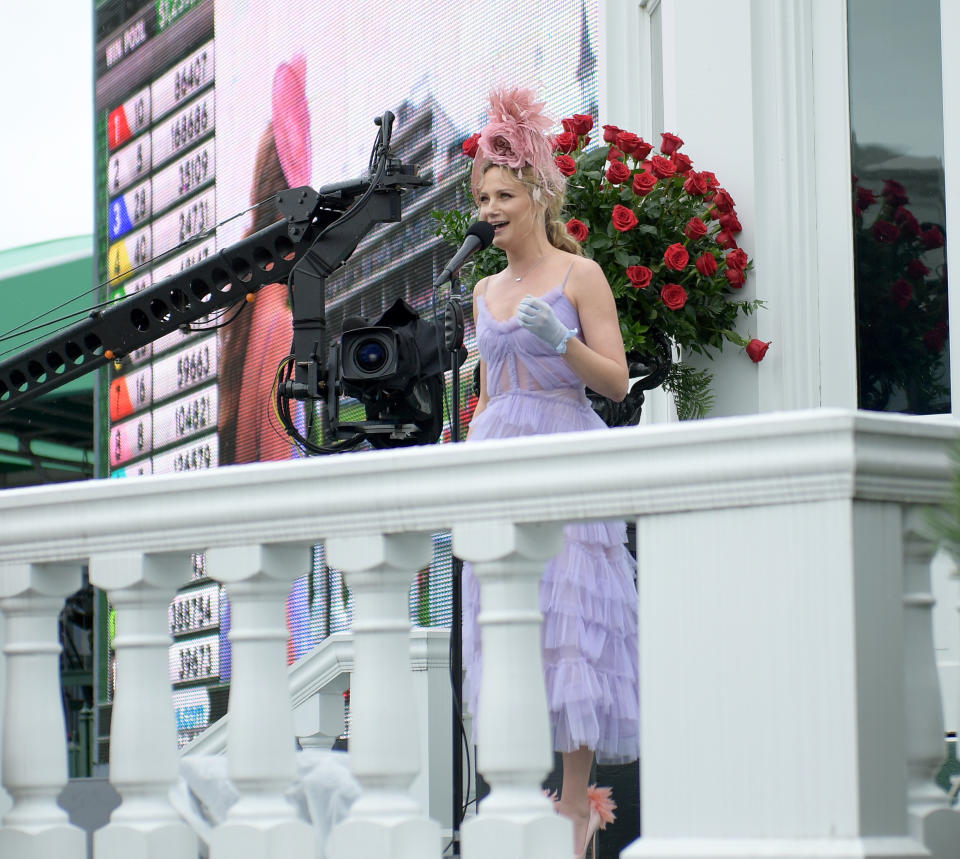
(538, 318)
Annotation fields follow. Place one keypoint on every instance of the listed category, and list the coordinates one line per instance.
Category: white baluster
(34, 739)
(516, 821)
(385, 821)
(931, 821)
(143, 734)
(260, 745)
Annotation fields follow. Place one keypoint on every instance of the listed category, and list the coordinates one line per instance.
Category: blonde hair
(552, 205)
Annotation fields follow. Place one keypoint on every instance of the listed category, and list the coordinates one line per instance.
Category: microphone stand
(454, 343)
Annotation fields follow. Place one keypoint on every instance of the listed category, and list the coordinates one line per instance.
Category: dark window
(896, 120)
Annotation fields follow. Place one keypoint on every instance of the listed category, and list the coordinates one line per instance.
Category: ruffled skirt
(589, 602)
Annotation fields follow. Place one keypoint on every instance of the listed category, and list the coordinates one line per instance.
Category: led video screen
(204, 110)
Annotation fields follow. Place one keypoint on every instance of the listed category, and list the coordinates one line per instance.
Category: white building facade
(795, 692)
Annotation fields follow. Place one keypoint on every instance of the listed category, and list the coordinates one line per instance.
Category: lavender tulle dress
(587, 593)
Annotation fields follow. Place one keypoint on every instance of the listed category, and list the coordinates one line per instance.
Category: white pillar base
(775, 848)
(404, 838)
(54, 842)
(287, 840)
(546, 835)
(144, 841)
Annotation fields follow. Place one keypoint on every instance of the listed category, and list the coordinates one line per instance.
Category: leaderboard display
(204, 110)
(160, 182)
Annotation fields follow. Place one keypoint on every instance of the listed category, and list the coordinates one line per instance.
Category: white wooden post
(143, 734)
(262, 824)
(386, 821)
(34, 739)
(931, 820)
(771, 681)
(516, 821)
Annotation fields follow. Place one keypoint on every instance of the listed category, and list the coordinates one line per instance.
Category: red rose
(623, 218)
(756, 349)
(696, 185)
(906, 220)
(723, 201)
(578, 125)
(936, 337)
(565, 164)
(865, 198)
(932, 238)
(695, 229)
(578, 229)
(730, 222)
(639, 275)
(885, 232)
(894, 193)
(671, 143)
(566, 142)
(674, 296)
(737, 259)
(470, 145)
(614, 154)
(917, 269)
(610, 133)
(628, 141)
(662, 168)
(581, 124)
(735, 277)
(676, 257)
(681, 162)
(902, 293)
(707, 265)
(711, 178)
(726, 240)
(618, 172)
(643, 184)
(642, 150)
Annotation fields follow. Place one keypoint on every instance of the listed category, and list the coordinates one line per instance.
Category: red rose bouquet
(901, 304)
(665, 235)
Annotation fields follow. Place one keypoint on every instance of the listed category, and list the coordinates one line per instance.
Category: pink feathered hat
(516, 136)
(291, 120)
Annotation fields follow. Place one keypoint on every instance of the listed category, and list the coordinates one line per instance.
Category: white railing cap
(622, 473)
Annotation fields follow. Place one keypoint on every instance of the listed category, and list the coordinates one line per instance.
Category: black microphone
(478, 237)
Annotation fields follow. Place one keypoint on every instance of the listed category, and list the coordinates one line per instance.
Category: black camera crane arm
(318, 233)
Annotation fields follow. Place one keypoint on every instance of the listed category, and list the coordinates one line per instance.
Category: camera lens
(370, 355)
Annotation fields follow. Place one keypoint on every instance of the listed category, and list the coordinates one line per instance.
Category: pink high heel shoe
(602, 807)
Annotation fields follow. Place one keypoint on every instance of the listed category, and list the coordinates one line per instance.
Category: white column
(34, 739)
(516, 821)
(931, 819)
(260, 744)
(143, 735)
(386, 821)
(771, 683)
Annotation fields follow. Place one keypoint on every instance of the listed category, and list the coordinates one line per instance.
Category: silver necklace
(522, 276)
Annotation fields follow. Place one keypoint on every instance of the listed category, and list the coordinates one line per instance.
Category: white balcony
(790, 697)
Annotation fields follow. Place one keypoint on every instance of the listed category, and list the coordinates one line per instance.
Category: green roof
(49, 282)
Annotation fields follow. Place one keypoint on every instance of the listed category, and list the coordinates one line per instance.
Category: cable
(21, 328)
(282, 410)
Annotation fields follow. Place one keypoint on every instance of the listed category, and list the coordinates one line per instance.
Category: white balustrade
(34, 743)
(931, 821)
(143, 737)
(384, 755)
(783, 616)
(514, 751)
(262, 824)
